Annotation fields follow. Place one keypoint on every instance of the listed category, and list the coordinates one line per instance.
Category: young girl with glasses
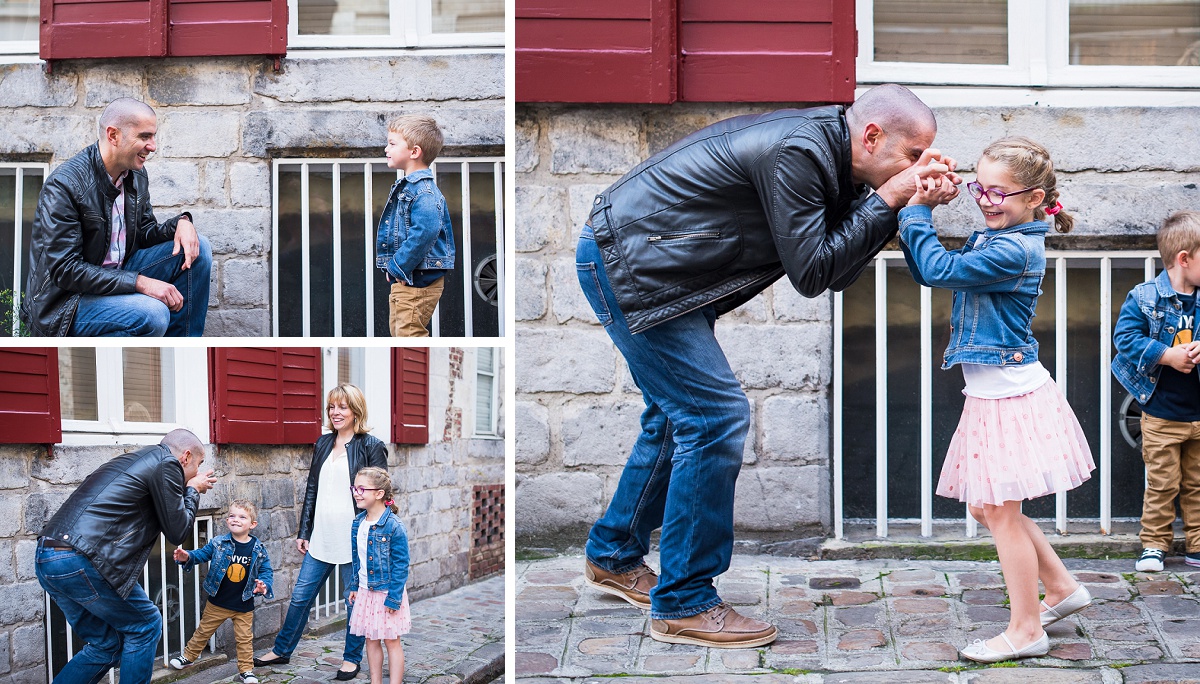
(1018, 438)
(380, 571)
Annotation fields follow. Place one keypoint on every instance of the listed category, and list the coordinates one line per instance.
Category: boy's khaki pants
(243, 632)
(1171, 450)
(411, 308)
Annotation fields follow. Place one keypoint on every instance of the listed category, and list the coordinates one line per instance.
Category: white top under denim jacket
(996, 278)
(387, 557)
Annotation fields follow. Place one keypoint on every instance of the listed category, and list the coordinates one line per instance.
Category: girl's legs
(1019, 563)
(1055, 577)
(395, 660)
(375, 660)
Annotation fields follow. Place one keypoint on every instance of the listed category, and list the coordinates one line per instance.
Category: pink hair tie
(1051, 211)
(389, 502)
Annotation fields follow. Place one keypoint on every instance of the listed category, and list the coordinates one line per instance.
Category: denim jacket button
(1018, 356)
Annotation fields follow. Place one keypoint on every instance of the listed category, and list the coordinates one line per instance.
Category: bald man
(696, 231)
(90, 555)
(100, 262)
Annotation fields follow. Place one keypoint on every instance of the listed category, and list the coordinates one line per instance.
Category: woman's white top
(363, 529)
(334, 513)
(1002, 382)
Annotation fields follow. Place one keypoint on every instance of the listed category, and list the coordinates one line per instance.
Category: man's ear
(872, 136)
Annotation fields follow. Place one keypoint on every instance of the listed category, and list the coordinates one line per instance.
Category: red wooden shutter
(202, 28)
(103, 28)
(265, 396)
(587, 51)
(766, 51)
(29, 409)
(410, 395)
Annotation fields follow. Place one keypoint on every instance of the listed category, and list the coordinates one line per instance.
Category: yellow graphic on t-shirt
(236, 572)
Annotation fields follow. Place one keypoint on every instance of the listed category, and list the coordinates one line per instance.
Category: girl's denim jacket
(414, 229)
(996, 278)
(218, 553)
(387, 557)
(1149, 319)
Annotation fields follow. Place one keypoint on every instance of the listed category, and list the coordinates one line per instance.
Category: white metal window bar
(184, 631)
(329, 599)
(22, 172)
(1056, 260)
(465, 267)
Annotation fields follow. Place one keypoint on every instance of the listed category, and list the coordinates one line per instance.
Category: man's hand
(187, 239)
(260, 587)
(899, 189)
(162, 291)
(302, 545)
(203, 481)
(181, 555)
(1179, 358)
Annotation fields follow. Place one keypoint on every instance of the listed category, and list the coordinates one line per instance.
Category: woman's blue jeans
(681, 473)
(309, 581)
(117, 631)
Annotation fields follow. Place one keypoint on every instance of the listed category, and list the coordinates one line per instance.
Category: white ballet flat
(980, 652)
(1077, 601)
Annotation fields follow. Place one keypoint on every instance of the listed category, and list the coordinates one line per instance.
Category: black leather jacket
(115, 516)
(361, 451)
(71, 236)
(721, 214)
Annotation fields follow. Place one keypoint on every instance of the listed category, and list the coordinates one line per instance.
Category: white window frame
(410, 25)
(18, 229)
(495, 398)
(370, 229)
(191, 402)
(1038, 44)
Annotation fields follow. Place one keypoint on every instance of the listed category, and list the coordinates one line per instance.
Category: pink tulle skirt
(1015, 449)
(371, 619)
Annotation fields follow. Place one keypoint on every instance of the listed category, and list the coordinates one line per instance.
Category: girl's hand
(933, 191)
(181, 555)
(350, 599)
(390, 611)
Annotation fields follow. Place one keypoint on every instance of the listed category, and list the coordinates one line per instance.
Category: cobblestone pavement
(865, 621)
(455, 637)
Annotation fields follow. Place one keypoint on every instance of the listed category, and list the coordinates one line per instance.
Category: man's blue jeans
(309, 581)
(139, 315)
(680, 475)
(118, 632)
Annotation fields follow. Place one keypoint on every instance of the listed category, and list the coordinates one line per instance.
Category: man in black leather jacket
(691, 233)
(100, 263)
(92, 552)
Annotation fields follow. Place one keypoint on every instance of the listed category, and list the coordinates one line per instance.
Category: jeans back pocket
(589, 281)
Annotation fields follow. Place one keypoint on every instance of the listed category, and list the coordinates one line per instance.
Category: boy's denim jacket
(1149, 319)
(414, 229)
(220, 552)
(387, 557)
(996, 278)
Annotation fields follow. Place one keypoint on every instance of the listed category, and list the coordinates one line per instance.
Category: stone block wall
(222, 121)
(1121, 172)
(434, 492)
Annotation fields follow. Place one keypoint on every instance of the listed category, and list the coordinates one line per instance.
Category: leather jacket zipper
(701, 235)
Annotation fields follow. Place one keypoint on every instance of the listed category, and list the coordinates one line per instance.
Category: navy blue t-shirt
(1177, 395)
(229, 594)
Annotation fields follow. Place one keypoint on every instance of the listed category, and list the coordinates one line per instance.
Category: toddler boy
(1156, 363)
(415, 242)
(238, 570)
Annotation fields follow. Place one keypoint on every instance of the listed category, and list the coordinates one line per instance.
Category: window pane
(451, 310)
(320, 249)
(1135, 33)
(468, 16)
(485, 381)
(148, 378)
(77, 383)
(8, 224)
(355, 244)
(945, 31)
(291, 253)
(343, 18)
(350, 366)
(19, 19)
(381, 184)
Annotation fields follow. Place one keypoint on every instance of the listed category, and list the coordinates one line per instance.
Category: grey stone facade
(1120, 172)
(433, 481)
(222, 121)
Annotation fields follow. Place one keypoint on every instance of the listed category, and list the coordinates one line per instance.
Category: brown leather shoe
(633, 585)
(719, 627)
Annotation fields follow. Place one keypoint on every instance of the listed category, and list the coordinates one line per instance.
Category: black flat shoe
(344, 676)
(279, 660)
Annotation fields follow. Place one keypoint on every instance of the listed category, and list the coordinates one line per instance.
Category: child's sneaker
(1192, 559)
(179, 662)
(247, 678)
(1151, 561)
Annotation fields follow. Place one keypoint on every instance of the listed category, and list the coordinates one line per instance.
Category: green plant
(8, 312)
